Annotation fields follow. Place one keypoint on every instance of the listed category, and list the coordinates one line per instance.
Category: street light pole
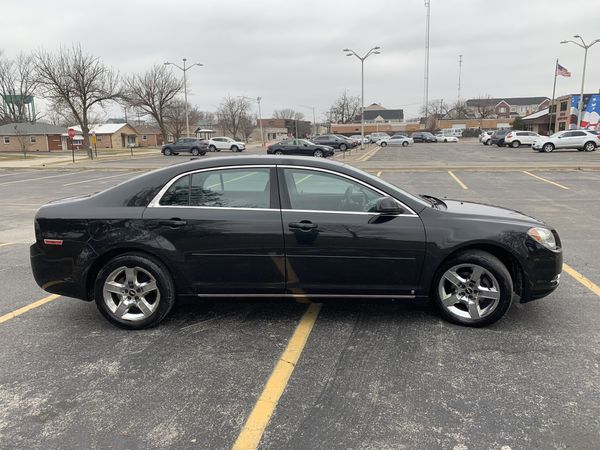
(314, 119)
(585, 48)
(373, 51)
(184, 69)
(257, 99)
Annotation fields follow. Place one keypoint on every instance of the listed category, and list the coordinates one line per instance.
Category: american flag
(562, 71)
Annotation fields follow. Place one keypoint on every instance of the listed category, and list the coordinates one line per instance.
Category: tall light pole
(257, 100)
(585, 47)
(314, 121)
(373, 51)
(459, 74)
(184, 69)
(426, 87)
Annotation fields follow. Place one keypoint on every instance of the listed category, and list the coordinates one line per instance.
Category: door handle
(304, 225)
(173, 223)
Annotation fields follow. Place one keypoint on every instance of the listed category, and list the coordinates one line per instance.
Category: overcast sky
(289, 52)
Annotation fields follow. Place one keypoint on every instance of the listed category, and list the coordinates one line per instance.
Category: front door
(222, 231)
(335, 246)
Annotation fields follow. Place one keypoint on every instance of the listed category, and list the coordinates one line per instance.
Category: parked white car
(398, 139)
(444, 138)
(485, 137)
(366, 140)
(578, 139)
(378, 135)
(517, 138)
(217, 144)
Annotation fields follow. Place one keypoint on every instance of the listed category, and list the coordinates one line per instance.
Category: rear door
(335, 246)
(221, 230)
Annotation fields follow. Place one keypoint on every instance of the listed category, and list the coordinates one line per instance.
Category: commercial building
(564, 114)
(298, 128)
(32, 137)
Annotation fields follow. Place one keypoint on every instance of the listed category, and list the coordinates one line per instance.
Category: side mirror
(387, 206)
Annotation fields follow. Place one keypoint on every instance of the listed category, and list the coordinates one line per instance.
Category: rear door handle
(304, 225)
(173, 223)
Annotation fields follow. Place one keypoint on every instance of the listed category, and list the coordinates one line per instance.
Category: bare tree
(485, 107)
(247, 125)
(287, 113)
(345, 108)
(459, 110)
(76, 82)
(435, 108)
(174, 118)
(154, 93)
(18, 84)
(23, 140)
(231, 112)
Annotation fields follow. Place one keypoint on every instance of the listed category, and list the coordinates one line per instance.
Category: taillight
(509, 135)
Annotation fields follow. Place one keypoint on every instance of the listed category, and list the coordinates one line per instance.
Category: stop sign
(71, 133)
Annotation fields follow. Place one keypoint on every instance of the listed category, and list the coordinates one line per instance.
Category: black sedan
(275, 227)
(300, 147)
(335, 141)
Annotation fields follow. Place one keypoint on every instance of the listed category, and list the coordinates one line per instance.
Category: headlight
(543, 236)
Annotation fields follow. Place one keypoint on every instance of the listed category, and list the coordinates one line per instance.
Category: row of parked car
(582, 140)
(197, 146)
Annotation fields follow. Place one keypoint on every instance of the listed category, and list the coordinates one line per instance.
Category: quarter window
(178, 193)
(319, 191)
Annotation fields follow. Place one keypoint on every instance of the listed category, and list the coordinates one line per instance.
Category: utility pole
(184, 69)
(459, 74)
(257, 100)
(585, 47)
(426, 87)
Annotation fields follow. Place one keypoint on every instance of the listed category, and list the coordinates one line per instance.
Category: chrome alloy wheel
(469, 292)
(131, 293)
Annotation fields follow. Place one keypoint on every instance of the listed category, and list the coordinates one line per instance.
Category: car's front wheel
(405, 144)
(343, 147)
(474, 288)
(134, 291)
(278, 152)
(318, 153)
(383, 144)
(234, 148)
(195, 152)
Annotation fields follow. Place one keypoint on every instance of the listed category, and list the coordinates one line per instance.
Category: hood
(483, 211)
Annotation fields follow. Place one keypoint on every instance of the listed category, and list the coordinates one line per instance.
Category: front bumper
(542, 273)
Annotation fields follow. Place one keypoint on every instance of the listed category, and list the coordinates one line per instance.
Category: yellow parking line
(546, 180)
(583, 280)
(257, 421)
(462, 185)
(29, 307)
(379, 173)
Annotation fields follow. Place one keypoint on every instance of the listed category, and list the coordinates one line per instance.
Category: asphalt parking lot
(372, 375)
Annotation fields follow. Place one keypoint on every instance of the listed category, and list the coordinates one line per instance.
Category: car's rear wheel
(515, 144)
(474, 288)
(343, 147)
(548, 148)
(167, 151)
(404, 143)
(486, 142)
(195, 152)
(589, 146)
(212, 148)
(134, 291)
(278, 152)
(318, 153)
(383, 144)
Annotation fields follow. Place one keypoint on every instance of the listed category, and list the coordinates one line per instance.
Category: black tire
(318, 153)
(278, 152)
(343, 147)
(195, 152)
(164, 283)
(589, 146)
(486, 142)
(234, 148)
(515, 144)
(203, 153)
(212, 148)
(384, 144)
(490, 263)
(548, 147)
(405, 144)
(167, 151)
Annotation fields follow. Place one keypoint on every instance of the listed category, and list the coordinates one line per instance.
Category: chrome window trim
(155, 202)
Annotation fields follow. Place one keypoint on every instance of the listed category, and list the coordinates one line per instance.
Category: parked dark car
(498, 137)
(300, 147)
(284, 226)
(423, 136)
(332, 140)
(190, 145)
